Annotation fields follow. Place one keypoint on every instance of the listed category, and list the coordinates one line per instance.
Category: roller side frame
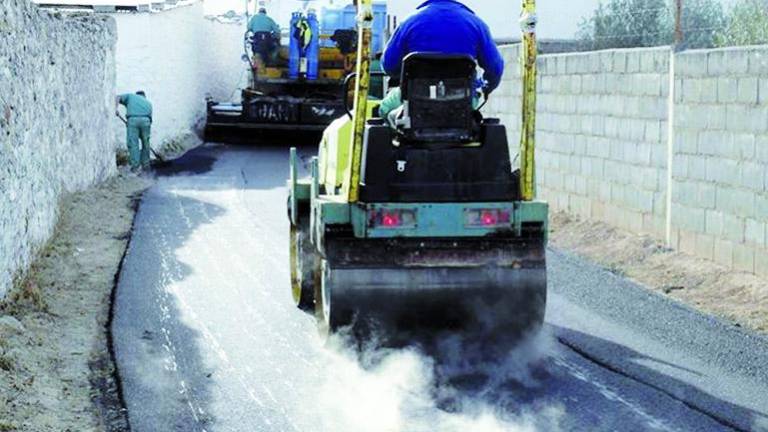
(303, 258)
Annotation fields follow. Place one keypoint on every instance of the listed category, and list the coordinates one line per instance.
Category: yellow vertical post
(528, 135)
(365, 31)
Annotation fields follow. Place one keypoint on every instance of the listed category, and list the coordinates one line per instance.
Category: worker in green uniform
(139, 124)
(262, 25)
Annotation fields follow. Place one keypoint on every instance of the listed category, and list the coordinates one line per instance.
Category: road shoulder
(56, 369)
(736, 297)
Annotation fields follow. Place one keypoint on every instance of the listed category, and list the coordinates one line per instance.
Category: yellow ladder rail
(528, 136)
(365, 32)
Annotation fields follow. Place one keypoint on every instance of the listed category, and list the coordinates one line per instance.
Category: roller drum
(491, 287)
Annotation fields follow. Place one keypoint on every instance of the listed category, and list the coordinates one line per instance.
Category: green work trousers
(139, 129)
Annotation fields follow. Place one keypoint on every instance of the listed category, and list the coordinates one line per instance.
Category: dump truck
(425, 223)
(301, 88)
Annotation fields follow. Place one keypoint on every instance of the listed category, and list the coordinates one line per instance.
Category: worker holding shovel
(139, 124)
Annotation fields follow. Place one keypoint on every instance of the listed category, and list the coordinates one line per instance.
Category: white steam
(399, 390)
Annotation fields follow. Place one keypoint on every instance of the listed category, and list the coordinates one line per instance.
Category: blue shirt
(449, 27)
(263, 23)
(136, 105)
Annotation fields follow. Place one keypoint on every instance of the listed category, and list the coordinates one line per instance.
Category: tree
(624, 24)
(747, 24)
(645, 23)
(701, 21)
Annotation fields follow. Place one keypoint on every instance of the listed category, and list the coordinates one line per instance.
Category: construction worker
(442, 26)
(266, 36)
(138, 125)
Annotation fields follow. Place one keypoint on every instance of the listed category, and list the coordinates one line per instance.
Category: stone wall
(602, 146)
(178, 57)
(57, 78)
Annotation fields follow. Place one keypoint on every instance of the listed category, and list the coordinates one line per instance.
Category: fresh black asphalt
(206, 337)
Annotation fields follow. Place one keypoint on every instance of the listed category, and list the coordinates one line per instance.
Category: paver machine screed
(426, 223)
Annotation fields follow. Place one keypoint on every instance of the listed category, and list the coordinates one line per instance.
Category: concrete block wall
(178, 57)
(602, 144)
(506, 102)
(719, 190)
(601, 132)
(602, 135)
(57, 79)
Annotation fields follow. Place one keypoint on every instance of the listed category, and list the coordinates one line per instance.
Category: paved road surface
(206, 337)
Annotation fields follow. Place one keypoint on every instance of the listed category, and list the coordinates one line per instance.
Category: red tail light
(487, 218)
(390, 219)
(393, 218)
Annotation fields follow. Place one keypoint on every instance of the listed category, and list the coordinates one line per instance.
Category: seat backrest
(263, 40)
(437, 92)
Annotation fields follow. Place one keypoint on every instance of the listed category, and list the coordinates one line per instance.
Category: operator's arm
(392, 100)
(276, 29)
(489, 58)
(120, 100)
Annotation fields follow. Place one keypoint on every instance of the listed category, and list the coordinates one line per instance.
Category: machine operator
(442, 26)
(266, 36)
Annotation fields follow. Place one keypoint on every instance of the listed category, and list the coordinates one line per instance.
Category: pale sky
(557, 18)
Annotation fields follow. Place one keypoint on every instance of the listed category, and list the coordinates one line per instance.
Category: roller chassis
(349, 273)
(422, 220)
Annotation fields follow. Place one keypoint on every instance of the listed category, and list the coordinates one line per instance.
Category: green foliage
(747, 24)
(624, 24)
(701, 21)
(6, 426)
(6, 364)
(646, 23)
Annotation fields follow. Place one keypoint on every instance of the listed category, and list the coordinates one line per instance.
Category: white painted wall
(225, 73)
(178, 57)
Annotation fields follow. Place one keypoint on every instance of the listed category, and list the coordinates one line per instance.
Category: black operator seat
(438, 92)
(263, 42)
(440, 150)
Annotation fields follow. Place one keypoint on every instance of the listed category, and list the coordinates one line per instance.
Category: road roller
(424, 221)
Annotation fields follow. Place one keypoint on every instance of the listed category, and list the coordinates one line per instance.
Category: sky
(557, 18)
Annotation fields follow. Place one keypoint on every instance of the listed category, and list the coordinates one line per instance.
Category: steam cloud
(452, 389)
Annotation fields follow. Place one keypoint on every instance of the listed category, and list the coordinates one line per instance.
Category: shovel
(157, 156)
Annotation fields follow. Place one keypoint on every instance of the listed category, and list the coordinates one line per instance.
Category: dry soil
(57, 373)
(739, 297)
